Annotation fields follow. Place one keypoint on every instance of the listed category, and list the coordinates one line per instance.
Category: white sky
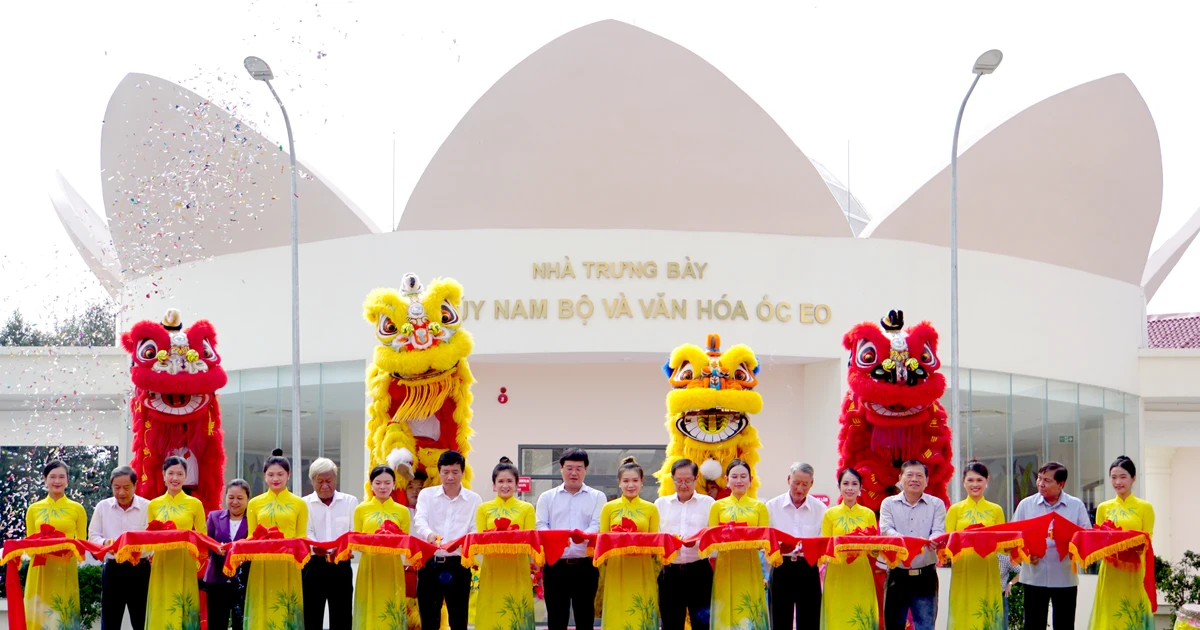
(884, 78)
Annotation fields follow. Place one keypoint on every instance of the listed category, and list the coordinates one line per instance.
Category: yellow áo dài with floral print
(1121, 599)
(976, 592)
(52, 589)
(630, 598)
(849, 601)
(379, 597)
(739, 598)
(173, 601)
(274, 592)
(505, 598)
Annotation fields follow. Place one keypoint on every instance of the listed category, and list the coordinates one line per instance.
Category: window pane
(1114, 437)
(1133, 425)
(989, 411)
(1028, 436)
(1091, 446)
(1062, 415)
(260, 396)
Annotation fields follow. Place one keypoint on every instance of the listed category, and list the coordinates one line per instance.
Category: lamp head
(988, 62)
(258, 69)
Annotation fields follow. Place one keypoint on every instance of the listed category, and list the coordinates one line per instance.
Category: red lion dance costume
(891, 412)
(176, 374)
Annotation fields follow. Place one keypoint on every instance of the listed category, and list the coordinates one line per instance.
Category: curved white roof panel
(88, 232)
(610, 126)
(1075, 181)
(1164, 259)
(183, 179)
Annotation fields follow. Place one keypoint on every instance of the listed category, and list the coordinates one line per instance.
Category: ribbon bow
(506, 525)
(864, 531)
(627, 526)
(732, 524)
(47, 531)
(389, 528)
(158, 526)
(262, 533)
(1108, 526)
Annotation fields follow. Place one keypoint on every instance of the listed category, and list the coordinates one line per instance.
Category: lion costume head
(708, 412)
(419, 381)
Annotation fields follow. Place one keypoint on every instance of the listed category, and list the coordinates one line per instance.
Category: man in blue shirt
(1048, 580)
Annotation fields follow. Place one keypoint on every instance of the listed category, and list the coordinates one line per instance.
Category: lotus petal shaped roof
(88, 232)
(183, 179)
(606, 121)
(1074, 180)
(1164, 259)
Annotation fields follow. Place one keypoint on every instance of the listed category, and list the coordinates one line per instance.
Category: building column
(1155, 482)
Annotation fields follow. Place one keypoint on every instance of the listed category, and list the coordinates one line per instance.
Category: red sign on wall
(823, 498)
(524, 484)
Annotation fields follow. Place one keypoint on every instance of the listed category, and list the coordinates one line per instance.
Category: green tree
(18, 332)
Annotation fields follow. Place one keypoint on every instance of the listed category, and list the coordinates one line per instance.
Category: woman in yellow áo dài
(505, 598)
(739, 596)
(630, 582)
(173, 600)
(274, 592)
(52, 589)
(1121, 599)
(849, 601)
(379, 588)
(976, 592)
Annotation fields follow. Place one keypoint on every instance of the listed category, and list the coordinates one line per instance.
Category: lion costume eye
(449, 315)
(147, 350)
(209, 354)
(685, 372)
(865, 355)
(928, 358)
(743, 374)
(387, 328)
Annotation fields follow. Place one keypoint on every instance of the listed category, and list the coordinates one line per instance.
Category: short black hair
(52, 465)
(238, 483)
(450, 458)
(1060, 471)
(174, 461)
(574, 455)
(685, 463)
(420, 475)
(277, 458)
(122, 471)
(913, 463)
(381, 469)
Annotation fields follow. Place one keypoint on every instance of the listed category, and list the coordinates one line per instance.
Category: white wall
(1018, 316)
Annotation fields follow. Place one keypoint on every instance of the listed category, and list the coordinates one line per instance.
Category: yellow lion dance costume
(419, 382)
(708, 412)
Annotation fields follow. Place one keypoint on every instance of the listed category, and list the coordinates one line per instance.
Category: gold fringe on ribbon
(499, 549)
(125, 553)
(736, 545)
(346, 553)
(44, 550)
(945, 555)
(1106, 551)
(631, 551)
(234, 562)
(843, 552)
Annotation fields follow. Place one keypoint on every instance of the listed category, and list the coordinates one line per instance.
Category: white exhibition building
(558, 163)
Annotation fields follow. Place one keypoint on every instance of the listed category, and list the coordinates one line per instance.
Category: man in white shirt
(330, 514)
(685, 585)
(445, 513)
(124, 585)
(571, 582)
(796, 584)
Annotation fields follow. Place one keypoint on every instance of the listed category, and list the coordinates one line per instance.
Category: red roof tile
(1178, 330)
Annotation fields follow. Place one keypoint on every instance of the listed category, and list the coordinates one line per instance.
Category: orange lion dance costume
(891, 413)
(176, 374)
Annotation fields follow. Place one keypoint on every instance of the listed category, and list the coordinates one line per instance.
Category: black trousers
(226, 605)
(124, 585)
(444, 580)
(795, 594)
(1039, 598)
(571, 584)
(685, 590)
(911, 591)
(326, 582)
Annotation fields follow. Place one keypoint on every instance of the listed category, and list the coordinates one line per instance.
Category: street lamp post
(260, 71)
(985, 64)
